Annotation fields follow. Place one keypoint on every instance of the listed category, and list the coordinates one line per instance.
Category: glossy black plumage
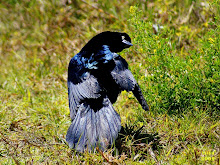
(96, 76)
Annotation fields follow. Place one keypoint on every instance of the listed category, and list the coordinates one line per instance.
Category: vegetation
(175, 59)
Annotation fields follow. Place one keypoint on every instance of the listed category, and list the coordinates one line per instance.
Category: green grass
(178, 69)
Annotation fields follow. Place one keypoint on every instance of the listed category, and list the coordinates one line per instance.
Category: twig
(16, 161)
(105, 156)
(102, 155)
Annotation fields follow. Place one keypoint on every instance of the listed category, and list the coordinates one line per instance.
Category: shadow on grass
(133, 140)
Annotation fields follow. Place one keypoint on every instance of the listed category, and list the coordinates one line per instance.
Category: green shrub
(174, 80)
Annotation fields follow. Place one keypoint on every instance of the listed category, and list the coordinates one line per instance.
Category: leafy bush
(177, 81)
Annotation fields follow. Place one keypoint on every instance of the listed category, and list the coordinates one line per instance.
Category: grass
(177, 67)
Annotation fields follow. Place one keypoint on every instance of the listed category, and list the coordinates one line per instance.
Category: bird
(96, 77)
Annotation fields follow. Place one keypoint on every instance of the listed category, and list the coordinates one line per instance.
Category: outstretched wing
(124, 78)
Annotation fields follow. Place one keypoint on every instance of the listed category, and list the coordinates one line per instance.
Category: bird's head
(115, 40)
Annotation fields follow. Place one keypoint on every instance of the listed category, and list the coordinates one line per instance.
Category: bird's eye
(122, 37)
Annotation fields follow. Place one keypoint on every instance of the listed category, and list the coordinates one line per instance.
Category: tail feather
(103, 130)
(92, 128)
(91, 133)
(110, 124)
(75, 132)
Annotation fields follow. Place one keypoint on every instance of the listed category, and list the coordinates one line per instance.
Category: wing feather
(80, 87)
(122, 75)
(124, 78)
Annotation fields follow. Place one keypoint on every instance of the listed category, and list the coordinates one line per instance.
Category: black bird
(96, 76)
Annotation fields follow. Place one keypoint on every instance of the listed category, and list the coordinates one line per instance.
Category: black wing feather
(124, 78)
(88, 89)
(123, 75)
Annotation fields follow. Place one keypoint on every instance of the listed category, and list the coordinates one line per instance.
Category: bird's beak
(127, 43)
